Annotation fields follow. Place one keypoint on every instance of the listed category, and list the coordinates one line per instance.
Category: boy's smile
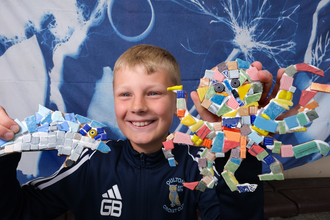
(144, 108)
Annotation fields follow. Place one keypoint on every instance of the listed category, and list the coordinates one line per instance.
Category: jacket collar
(143, 160)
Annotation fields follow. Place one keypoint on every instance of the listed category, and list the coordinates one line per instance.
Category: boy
(133, 181)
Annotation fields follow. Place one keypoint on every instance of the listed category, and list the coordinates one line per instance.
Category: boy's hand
(205, 114)
(265, 77)
(8, 127)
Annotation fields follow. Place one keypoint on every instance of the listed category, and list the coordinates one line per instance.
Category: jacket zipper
(143, 160)
(144, 204)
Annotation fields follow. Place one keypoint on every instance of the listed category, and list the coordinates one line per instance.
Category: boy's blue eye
(153, 93)
(125, 94)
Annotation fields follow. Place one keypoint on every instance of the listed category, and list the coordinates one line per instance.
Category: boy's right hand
(265, 77)
(8, 127)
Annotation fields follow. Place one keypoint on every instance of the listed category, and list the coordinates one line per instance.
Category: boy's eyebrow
(153, 85)
(158, 85)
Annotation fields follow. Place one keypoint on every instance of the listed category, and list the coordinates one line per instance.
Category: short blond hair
(152, 58)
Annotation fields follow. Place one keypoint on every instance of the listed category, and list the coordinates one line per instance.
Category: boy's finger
(267, 79)
(279, 75)
(6, 134)
(257, 65)
(203, 112)
(197, 103)
(289, 113)
(8, 127)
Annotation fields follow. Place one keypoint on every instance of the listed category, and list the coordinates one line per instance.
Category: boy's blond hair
(152, 58)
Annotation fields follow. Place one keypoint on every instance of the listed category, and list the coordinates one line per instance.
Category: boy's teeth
(141, 124)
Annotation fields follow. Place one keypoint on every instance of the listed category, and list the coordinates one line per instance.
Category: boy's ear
(176, 108)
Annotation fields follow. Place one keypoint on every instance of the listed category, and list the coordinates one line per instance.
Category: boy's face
(144, 108)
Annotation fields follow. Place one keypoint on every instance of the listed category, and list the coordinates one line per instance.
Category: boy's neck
(147, 148)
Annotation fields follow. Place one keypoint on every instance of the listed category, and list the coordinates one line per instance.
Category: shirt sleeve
(235, 205)
(221, 203)
(42, 198)
(207, 202)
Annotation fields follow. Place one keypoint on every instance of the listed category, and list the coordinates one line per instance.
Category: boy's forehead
(127, 70)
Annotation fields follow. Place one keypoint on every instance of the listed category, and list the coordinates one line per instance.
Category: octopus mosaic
(231, 91)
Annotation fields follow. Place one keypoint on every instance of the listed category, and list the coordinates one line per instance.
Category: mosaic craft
(231, 91)
(69, 134)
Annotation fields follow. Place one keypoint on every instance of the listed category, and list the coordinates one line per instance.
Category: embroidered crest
(174, 196)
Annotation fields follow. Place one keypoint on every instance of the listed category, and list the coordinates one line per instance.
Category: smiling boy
(143, 106)
(133, 181)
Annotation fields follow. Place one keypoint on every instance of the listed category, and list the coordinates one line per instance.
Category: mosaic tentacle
(69, 134)
(231, 91)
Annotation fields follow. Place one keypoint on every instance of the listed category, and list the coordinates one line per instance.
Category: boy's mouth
(141, 123)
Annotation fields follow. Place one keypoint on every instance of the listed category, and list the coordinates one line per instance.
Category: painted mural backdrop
(61, 53)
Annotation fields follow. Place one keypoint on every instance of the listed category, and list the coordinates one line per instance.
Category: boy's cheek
(119, 108)
(173, 108)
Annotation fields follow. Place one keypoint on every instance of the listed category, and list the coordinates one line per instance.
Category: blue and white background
(61, 53)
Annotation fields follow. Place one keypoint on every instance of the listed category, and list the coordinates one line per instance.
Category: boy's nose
(139, 105)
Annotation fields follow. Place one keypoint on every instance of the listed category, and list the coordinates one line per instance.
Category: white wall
(319, 168)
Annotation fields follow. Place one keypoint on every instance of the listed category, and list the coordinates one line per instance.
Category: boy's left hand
(265, 77)
(8, 127)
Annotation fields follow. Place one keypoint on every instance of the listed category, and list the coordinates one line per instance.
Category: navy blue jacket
(123, 184)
